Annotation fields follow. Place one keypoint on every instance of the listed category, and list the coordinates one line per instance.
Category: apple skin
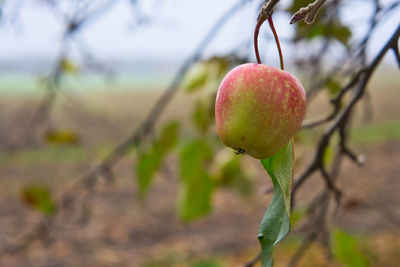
(258, 109)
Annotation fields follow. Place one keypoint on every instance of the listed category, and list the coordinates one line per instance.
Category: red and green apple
(258, 109)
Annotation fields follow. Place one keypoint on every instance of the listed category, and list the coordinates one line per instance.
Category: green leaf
(39, 197)
(150, 162)
(275, 224)
(341, 33)
(297, 215)
(232, 174)
(220, 66)
(330, 151)
(333, 86)
(62, 137)
(203, 114)
(196, 77)
(68, 66)
(147, 166)
(280, 168)
(197, 185)
(206, 73)
(346, 249)
(169, 136)
(330, 30)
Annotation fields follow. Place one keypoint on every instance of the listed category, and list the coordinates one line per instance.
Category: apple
(258, 109)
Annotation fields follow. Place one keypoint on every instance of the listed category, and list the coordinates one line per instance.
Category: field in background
(127, 232)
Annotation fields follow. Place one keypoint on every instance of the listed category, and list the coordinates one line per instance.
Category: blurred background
(108, 150)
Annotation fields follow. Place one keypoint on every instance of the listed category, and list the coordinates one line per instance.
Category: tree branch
(316, 162)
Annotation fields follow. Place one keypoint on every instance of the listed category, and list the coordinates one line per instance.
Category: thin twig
(253, 261)
(307, 13)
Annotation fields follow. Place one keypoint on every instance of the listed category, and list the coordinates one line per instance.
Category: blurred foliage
(333, 86)
(62, 137)
(232, 174)
(203, 114)
(196, 77)
(197, 185)
(205, 73)
(39, 197)
(201, 170)
(54, 154)
(68, 66)
(326, 30)
(376, 133)
(297, 215)
(150, 161)
(330, 151)
(346, 249)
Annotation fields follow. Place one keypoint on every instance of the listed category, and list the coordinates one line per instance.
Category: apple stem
(271, 25)
(260, 21)
(256, 31)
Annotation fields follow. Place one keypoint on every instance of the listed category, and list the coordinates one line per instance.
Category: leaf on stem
(275, 224)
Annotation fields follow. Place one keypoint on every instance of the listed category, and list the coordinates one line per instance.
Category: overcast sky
(177, 28)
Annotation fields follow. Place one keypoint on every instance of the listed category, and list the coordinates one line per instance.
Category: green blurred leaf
(341, 33)
(220, 65)
(275, 224)
(68, 66)
(206, 73)
(39, 197)
(328, 155)
(329, 30)
(196, 77)
(333, 86)
(203, 114)
(150, 162)
(330, 151)
(297, 215)
(62, 137)
(232, 174)
(169, 136)
(147, 166)
(347, 249)
(197, 185)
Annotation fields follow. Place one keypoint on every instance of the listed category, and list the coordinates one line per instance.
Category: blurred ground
(124, 231)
